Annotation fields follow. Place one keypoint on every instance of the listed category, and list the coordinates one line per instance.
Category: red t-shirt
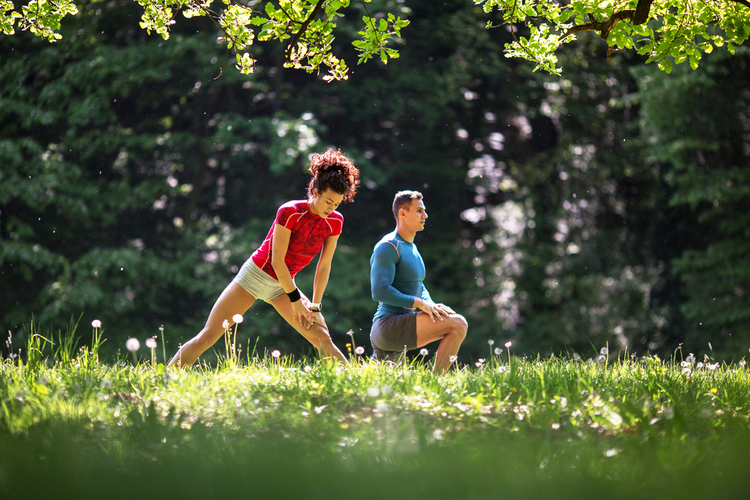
(308, 234)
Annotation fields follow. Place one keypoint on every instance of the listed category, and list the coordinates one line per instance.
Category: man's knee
(461, 325)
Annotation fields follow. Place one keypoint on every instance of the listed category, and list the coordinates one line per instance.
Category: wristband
(294, 296)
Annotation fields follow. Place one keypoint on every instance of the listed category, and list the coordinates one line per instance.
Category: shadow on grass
(79, 460)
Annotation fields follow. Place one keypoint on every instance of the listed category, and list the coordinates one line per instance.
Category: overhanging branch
(303, 28)
(638, 16)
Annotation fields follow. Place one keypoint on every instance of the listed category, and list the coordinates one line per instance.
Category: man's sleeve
(382, 272)
(426, 294)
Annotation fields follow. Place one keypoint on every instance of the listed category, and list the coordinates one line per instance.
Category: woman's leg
(233, 300)
(317, 335)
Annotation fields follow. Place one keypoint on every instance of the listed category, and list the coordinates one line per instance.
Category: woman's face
(323, 204)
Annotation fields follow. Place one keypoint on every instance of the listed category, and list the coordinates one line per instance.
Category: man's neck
(405, 233)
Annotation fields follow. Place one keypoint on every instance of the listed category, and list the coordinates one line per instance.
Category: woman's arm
(279, 247)
(323, 270)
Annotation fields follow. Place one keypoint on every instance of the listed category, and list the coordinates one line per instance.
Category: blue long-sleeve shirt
(396, 276)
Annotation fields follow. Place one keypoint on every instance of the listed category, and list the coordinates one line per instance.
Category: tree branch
(743, 2)
(638, 16)
(302, 28)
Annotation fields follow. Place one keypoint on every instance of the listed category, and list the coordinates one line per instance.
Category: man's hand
(435, 311)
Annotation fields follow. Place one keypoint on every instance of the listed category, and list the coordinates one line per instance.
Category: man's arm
(382, 273)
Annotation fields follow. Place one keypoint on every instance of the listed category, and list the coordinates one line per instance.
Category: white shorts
(257, 283)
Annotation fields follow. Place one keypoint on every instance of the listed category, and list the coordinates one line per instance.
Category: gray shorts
(257, 283)
(390, 334)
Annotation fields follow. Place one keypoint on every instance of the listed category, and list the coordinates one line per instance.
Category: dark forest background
(608, 206)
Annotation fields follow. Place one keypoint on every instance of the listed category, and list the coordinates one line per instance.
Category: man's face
(415, 216)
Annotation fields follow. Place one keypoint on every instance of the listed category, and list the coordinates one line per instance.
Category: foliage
(668, 32)
(519, 425)
(307, 24)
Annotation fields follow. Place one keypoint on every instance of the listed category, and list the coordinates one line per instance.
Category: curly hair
(333, 170)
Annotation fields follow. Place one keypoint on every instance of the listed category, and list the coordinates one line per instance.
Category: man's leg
(450, 331)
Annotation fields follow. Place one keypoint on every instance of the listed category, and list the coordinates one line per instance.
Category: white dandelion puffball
(424, 352)
(151, 343)
(498, 351)
(453, 359)
(225, 324)
(132, 344)
(96, 323)
(275, 353)
(508, 343)
(491, 342)
(359, 350)
(603, 351)
(237, 318)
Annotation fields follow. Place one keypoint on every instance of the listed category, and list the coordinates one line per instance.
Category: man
(407, 318)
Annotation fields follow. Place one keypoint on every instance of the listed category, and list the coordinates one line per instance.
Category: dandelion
(359, 350)
(373, 392)
(275, 353)
(508, 344)
(604, 351)
(453, 359)
(690, 359)
(502, 369)
(105, 384)
(699, 365)
(132, 345)
(96, 323)
(554, 426)
(423, 352)
(601, 359)
(498, 351)
(237, 318)
(742, 363)
(491, 342)
(307, 369)
(151, 344)
(225, 324)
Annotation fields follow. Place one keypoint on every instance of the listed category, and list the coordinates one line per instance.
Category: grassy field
(71, 426)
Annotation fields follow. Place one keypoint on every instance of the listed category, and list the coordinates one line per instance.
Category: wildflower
(498, 351)
(699, 365)
(453, 359)
(491, 342)
(508, 343)
(275, 353)
(502, 369)
(307, 369)
(554, 426)
(742, 363)
(686, 371)
(350, 333)
(423, 352)
(359, 350)
(373, 392)
(713, 390)
(237, 318)
(151, 343)
(96, 323)
(225, 324)
(381, 407)
(132, 344)
(690, 359)
(604, 351)
(601, 358)
(684, 364)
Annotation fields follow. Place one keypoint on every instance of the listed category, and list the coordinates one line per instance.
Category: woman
(301, 230)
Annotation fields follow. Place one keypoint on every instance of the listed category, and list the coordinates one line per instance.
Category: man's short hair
(403, 199)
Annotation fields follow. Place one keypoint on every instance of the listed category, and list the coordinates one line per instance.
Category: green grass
(71, 426)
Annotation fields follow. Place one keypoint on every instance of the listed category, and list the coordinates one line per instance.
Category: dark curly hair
(333, 170)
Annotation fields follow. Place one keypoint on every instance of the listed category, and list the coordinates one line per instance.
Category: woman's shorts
(392, 333)
(257, 283)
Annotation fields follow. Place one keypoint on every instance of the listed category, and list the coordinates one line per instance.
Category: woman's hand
(317, 317)
(302, 314)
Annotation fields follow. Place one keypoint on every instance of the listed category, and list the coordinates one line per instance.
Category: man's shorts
(391, 334)
(257, 283)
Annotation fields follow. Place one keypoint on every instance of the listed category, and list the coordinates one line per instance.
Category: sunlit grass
(285, 427)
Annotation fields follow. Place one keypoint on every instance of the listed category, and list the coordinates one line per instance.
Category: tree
(668, 32)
